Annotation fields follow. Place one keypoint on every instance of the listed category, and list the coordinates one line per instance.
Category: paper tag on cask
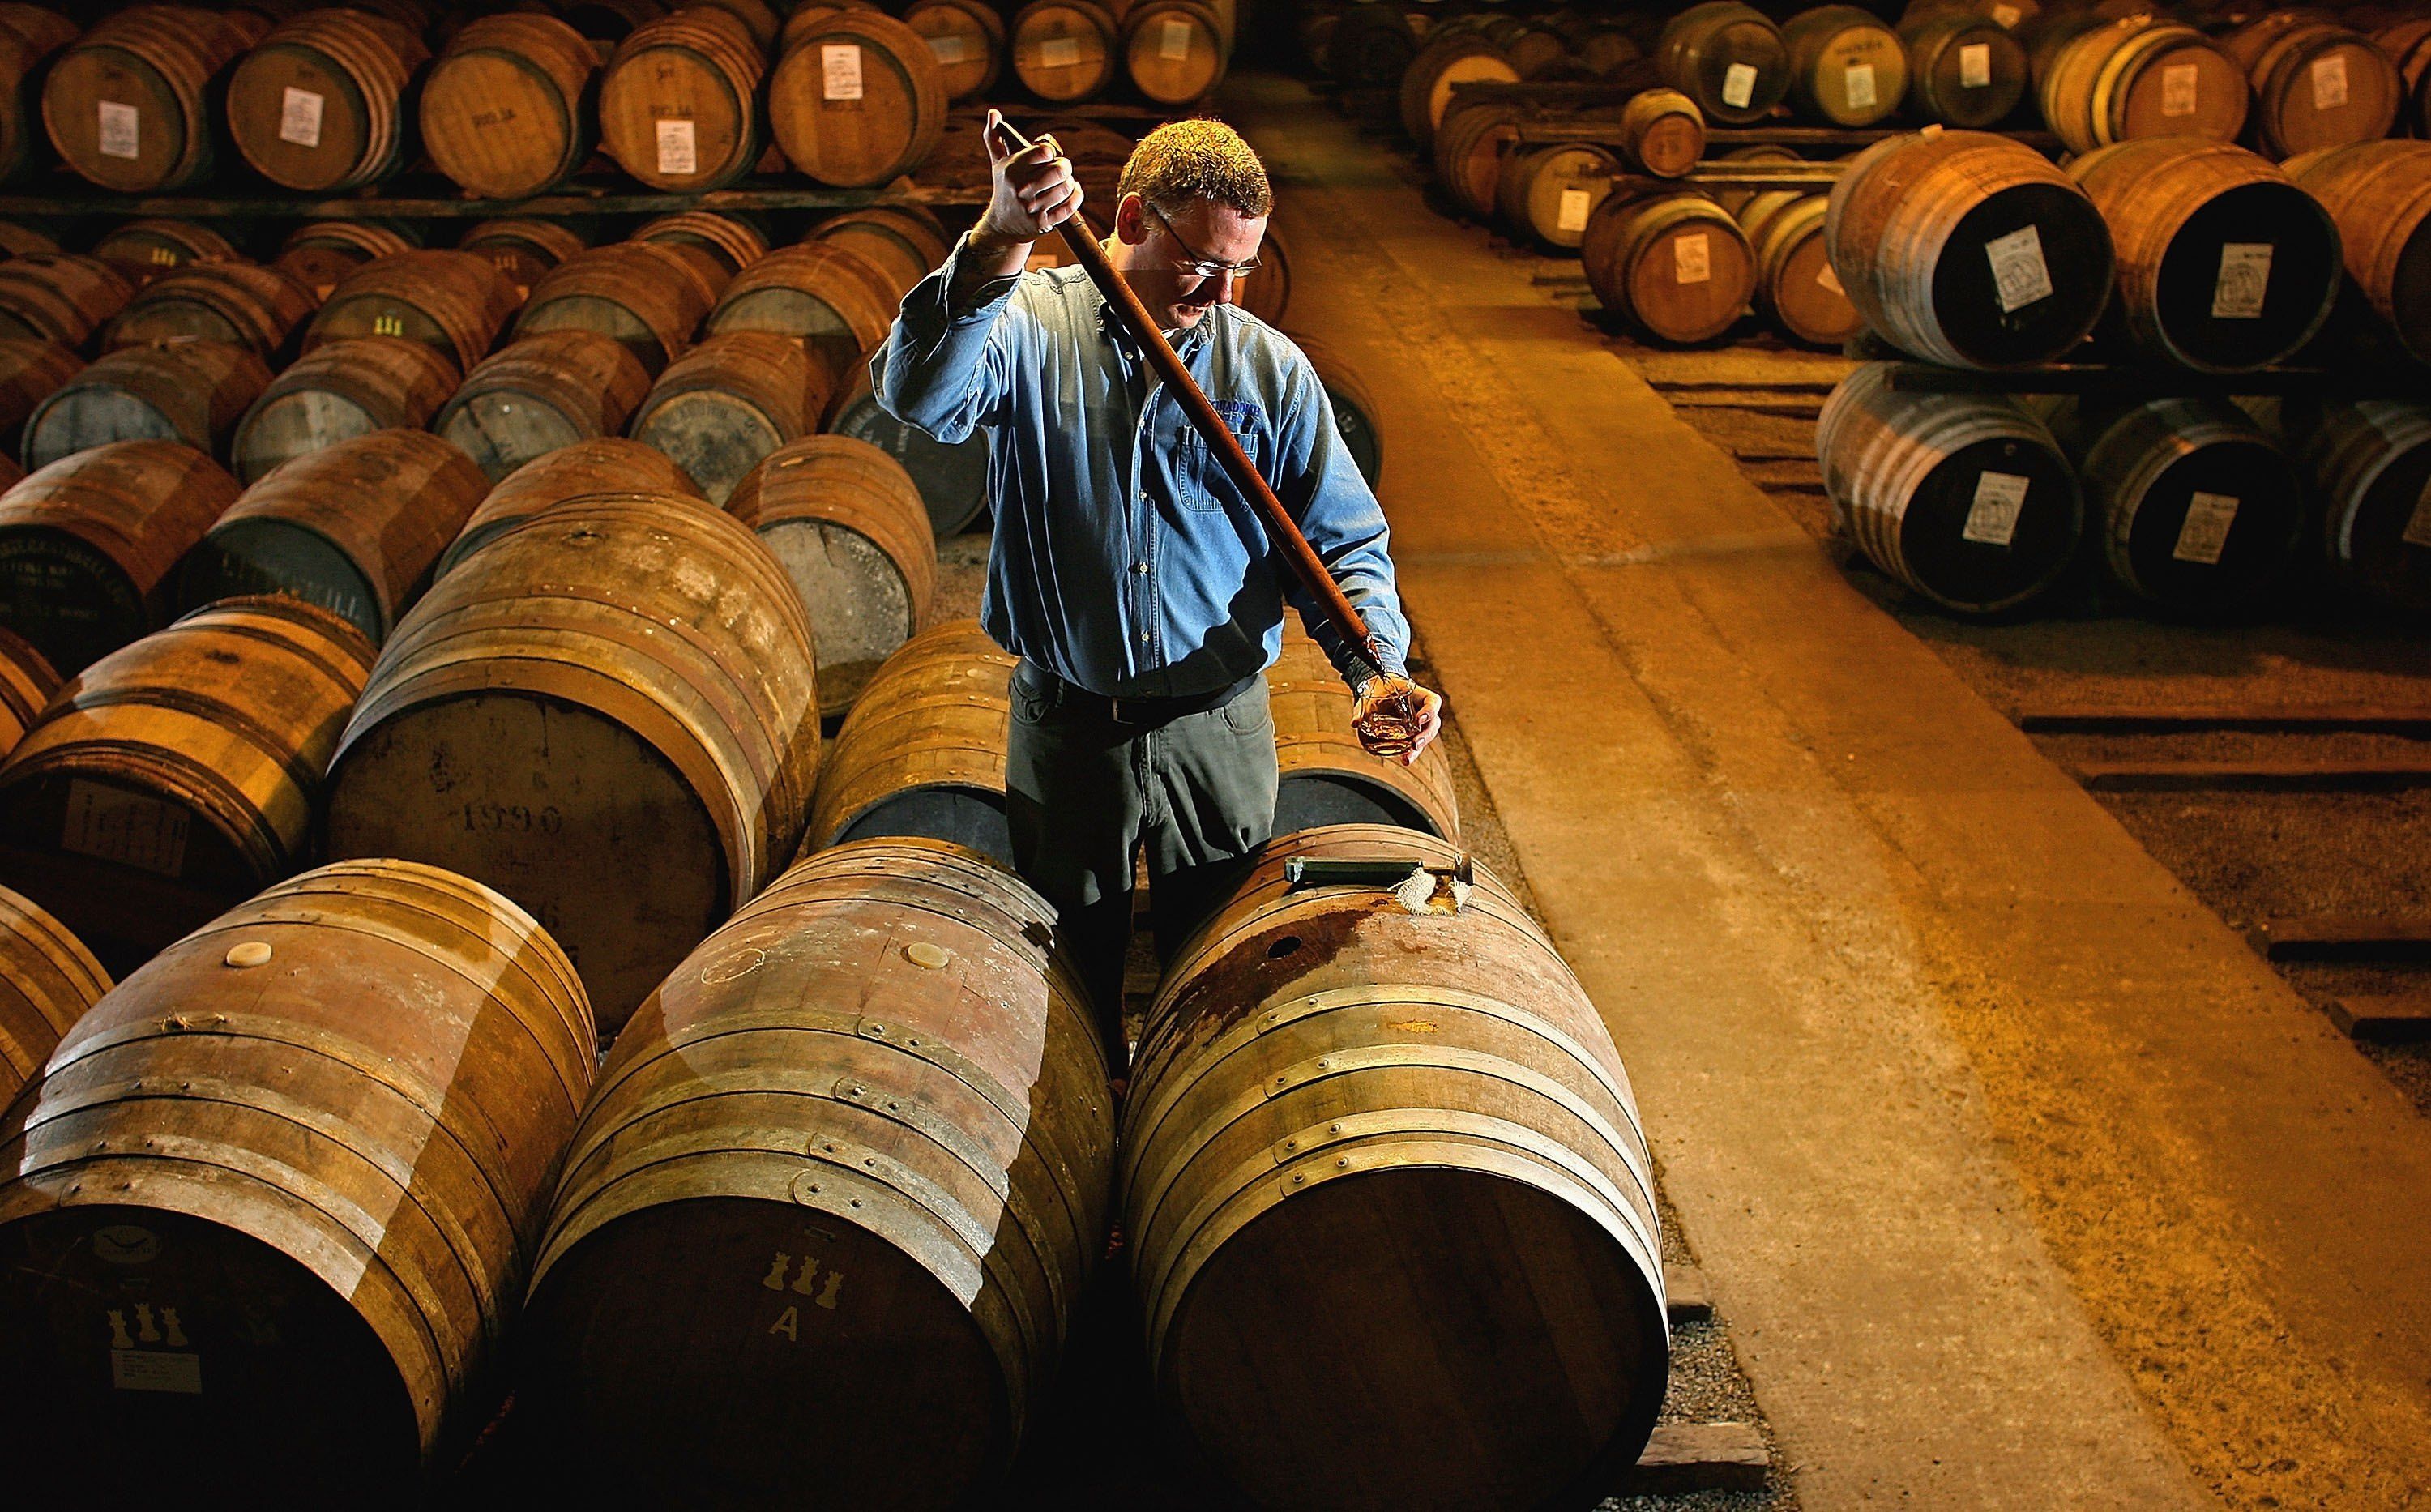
(2178, 87)
(2006, 17)
(1692, 259)
(950, 48)
(1738, 85)
(122, 130)
(840, 71)
(2417, 529)
(2244, 279)
(1992, 519)
(2204, 534)
(299, 118)
(111, 824)
(678, 148)
(1829, 278)
(2019, 275)
(2329, 82)
(1858, 82)
(156, 1370)
(1576, 203)
(1974, 65)
(1060, 52)
(1173, 41)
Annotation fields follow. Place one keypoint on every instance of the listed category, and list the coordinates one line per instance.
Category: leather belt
(1138, 712)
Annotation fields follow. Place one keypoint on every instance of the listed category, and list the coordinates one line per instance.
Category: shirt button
(1143, 637)
(1139, 566)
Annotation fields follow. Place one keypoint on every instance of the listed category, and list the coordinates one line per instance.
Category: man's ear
(1131, 221)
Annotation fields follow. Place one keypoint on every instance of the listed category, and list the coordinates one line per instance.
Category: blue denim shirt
(1124, 558)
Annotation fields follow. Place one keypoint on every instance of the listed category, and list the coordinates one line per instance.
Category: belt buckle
(1114, 711)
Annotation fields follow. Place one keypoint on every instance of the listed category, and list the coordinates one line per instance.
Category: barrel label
(1173, 41)
(1575, 205)
(122, 130)
(2006, 17)
(2244, 279)
(2417, 529)
(840, 71)
(1060, 52)
(949, 48)
(2205, 533)
(1829, 278)
(111, 824)
(1858, 82)
(156, 1370)
(2329, 82)
(2000, 499)
(2019, 275)
(1738, 85)
(299, 117)
(678, 148)
(1974, 65)
(1692, 259)
(2178, 88)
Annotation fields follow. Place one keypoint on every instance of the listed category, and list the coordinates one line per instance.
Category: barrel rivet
(924, 954)
(1323, 1066)
(1344, 1164)
(1297, 1179)
(856, 1201)
(1291, 1144)
(1333, 1128)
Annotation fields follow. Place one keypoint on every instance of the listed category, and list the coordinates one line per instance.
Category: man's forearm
(986, 257)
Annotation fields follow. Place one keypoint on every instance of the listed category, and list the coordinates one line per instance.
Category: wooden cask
(17, 237)
(1797, 288)
(1662, 132)
(506, 111)
(1727, 57)
(88, 543)
(967, 40)
(608, 464)
(2408, 46)
(58, 297)
(2225, 264)
(620, 687)
(1066, 50)
(47, 981)
(837, 302)
(1846, 67)
(2197, 510)
(923, 750)
(858, 101)
(1470, 149)
(353, 528)
(1964, 498)
(645, 296)
(1356, 417)
(320, 253)
(2140, 76)
(763, 19)
(189, 391)
(341, 391)
(523, 247)
(1371, 46)
(728, 243)
(1674, 265)
(156, 246)
(730, 401)
(1547, 195)
(541, 392)
(179, 776)
(679, 102)
(2369, 463)
(1267, 292)
(30, 372)
(26, 683)
(847, 522)
(129, 104)
(1366, 1144)
(902, 1204)
(1964, 70)
(1175, 51)
(905, 241)
(453, 302)
(1326, 775)
(952, 478)
(29, 37)
(235, 304)
(299, 1164)
(321, 102)
(2379, 193)
(1968, 249)
(2316, 84)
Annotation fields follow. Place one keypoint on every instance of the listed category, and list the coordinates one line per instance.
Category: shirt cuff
(984, 300)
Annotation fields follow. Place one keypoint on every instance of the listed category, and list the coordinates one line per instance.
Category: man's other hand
(1034, 190)
(1396, 718)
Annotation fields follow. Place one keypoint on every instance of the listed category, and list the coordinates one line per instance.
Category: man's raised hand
(1034, 190)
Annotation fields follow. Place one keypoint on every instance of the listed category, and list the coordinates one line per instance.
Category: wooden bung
(645, 297)
(505, 109)
(341, 391)
(179, 776)
(58, 297)
(847, 522)
(452, 302)
(679, 102)
(1064, 50)
(237, 304)
(730, 401)
(923, 750)
(858, 100)
(300, 1160)
(604, 466)
(1674, 265)
(1366, 1143)
(620, 686)
(541, 392)
(319, 103)
(1326, 775)
(873, 1106)
(189, 391)
(47, 981)
(129, 104)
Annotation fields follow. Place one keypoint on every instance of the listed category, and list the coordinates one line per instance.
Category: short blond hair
(1197, 159)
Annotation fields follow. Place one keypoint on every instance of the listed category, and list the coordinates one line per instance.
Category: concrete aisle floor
(2023, 1182)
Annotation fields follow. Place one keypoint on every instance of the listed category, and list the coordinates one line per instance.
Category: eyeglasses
(1204, 267)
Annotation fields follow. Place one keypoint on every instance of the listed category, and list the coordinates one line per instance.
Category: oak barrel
(179, 776)
(679, 102)
(1326, 775)
(58, 297)
(727, 243)
(952, 478)
(847, 522)
(643, 295)
(353, 528)
(2369, 463)
(291, 1173)
(1267, 292)
(320, 253)
(1964, 70)
(17, 238)
(1461, 57)
(1470, 148)
(1662, 133)
(2140, 76)
(47, 981)
(1175, 51)
(129, 104)
(1846, 67)
(2316, 83)
(1064, 50)
(730, 401)
(1367, 1144)
(30, 372)
(453, 302)
(155, 246)
(1356, 418)
(2225, 264)
(1726, 56)
(240, 304)
(1968, 249)
(1675, 266)
(604, 466)
(321, 102)
(88, 543)
(29, 37)
(837, 302)
(1547, 195)
(871, 1110)
(1964, 498)
(524, 247)
(189, 391)
(1797, 288)
(340, 390)
(966, 37)
(2379, 193)
(923, 750)
(540, 392)
(26, 683)
(1371, 46)
(507, 109)
(858, 100)
(904, 240)
(620, 687)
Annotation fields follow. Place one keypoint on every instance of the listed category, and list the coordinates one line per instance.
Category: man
(1137, 585)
